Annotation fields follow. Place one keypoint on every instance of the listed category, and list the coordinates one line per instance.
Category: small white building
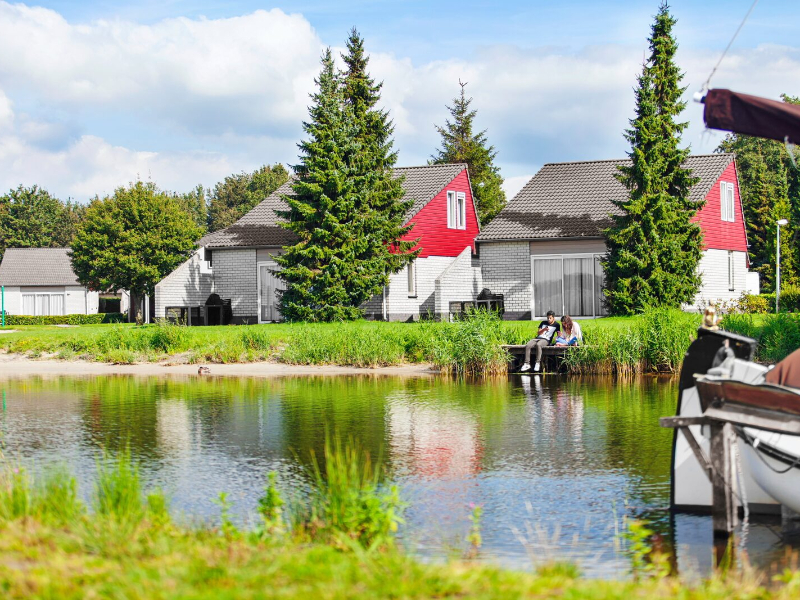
(40, 281)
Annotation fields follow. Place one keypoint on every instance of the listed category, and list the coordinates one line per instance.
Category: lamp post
(778, 265)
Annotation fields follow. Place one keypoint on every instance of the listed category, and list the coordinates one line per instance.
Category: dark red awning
(751, 115)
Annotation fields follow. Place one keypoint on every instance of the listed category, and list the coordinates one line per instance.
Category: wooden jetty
(552, 357)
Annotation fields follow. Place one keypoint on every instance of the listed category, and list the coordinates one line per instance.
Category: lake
(557, 464)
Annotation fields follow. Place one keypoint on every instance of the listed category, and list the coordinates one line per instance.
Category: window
(730, 272)
(726, 202)
(456, 210)
(412, 279)
(568, 284)
(28, 304)
(42, 304)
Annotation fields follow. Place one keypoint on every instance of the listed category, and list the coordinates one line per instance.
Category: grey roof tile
(566, 200)
(37, 266)
(260, 226)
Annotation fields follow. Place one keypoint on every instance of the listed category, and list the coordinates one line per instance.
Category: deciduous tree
(237, 194)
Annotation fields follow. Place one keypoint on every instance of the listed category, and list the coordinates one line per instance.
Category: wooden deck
(552, 357)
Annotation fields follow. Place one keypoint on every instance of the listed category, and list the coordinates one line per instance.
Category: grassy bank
(337, 543)
(653, 342)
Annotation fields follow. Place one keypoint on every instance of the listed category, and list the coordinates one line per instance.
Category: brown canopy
(751, 115)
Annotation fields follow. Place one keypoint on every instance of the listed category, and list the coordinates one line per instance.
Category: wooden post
(723, 479)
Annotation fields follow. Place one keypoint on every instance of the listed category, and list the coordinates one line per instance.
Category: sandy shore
(17, 366)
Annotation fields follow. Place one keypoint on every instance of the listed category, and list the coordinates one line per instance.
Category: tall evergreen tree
(770, 189)
(461, 145)
(653, 247)
(346, 208)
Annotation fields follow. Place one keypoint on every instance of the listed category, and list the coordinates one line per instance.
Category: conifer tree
(461, 145)
(345, 207)
(653, 247)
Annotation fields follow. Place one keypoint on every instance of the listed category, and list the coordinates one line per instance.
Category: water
(556, 464)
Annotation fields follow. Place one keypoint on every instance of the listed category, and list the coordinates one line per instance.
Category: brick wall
(460, 281)
(189, 285)
(506, 269)
(236, 277)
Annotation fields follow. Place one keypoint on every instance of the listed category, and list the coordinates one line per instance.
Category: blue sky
(95, 94)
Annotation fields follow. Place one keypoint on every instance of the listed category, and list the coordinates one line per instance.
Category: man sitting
(547, 329)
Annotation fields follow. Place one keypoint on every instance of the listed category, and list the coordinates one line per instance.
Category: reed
(778, 335)
(118, 490)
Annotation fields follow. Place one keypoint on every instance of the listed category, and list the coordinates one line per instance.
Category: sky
(98, 93)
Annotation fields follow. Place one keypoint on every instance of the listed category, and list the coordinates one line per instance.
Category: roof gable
(37, 266)
(574, 199)
(260, 227)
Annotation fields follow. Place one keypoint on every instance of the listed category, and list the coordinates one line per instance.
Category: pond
(556, 464)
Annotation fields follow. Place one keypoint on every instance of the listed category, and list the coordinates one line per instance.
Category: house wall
(236, 277)
(590, 246)
(189, 285)
(430, 223)
(714, 272)
(79, 301)
(719, 234)
(13, 300)
(506, 269)
(398, 304)
(460, 281)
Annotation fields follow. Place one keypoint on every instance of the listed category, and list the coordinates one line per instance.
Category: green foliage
(347, 501)
(770, 191)
(270, 508)
(645, 561)
(471, 346)
(228, 528)
(754, 303)
(32, 218)
(654, 248)
(16, 495)
(346, 208)
(76, 319)
(56, 497)
(461, 145)
(132, 240)
(195, 205)
(118, 490)
(777, 335)
(239, 193)
(474, 537)
(168, 337)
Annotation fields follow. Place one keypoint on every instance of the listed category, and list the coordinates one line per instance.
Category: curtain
(42, 304)
(547, 283)
(57, 304)
(599, 285)
(578, 287)
(28, 304)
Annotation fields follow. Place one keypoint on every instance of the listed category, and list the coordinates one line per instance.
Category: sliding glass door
(568, 284)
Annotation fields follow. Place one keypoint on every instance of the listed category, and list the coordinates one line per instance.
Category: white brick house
(543, 250)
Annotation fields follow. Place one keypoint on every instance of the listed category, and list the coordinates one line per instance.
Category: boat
(719, 380)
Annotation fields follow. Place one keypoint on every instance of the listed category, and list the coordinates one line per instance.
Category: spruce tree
(461, 145)
(344, 209)
(654, 249)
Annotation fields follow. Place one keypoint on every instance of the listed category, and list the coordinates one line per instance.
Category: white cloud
(231, 93)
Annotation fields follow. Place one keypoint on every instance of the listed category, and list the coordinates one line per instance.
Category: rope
(728, 47)
(755, 446)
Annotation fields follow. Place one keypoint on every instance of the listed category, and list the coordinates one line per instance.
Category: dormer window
(726, 202)
(456, 210)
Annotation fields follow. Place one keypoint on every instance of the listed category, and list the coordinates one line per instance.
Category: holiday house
(543, 250)
(236, 265)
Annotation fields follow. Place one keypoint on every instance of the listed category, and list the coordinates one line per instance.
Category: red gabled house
(242, 265)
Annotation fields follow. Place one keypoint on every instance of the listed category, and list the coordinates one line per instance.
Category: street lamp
(778, 269)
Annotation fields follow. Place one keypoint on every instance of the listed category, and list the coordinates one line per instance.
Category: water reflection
(555, 463)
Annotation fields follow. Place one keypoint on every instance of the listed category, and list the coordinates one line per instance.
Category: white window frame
(727, 202)
(731, 268)
(456, 210)
(411, 270)
(593, 256)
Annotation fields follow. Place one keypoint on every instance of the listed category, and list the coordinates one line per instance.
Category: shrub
(753, 304)
(65, 319)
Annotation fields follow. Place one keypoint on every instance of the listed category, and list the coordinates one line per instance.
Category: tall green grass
(471, 346)
(777, 335)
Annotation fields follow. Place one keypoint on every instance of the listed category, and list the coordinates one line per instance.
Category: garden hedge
(66, 319)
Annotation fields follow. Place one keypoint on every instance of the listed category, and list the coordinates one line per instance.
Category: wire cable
(728, 47)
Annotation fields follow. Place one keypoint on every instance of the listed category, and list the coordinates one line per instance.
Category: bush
(754, 303)
(65, 319)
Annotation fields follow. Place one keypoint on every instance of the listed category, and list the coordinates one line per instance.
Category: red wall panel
(430, 224)
(719, 234)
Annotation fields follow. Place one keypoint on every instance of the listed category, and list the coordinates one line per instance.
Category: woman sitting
(570, 334)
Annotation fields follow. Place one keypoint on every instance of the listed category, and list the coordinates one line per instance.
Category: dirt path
(16, 366)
